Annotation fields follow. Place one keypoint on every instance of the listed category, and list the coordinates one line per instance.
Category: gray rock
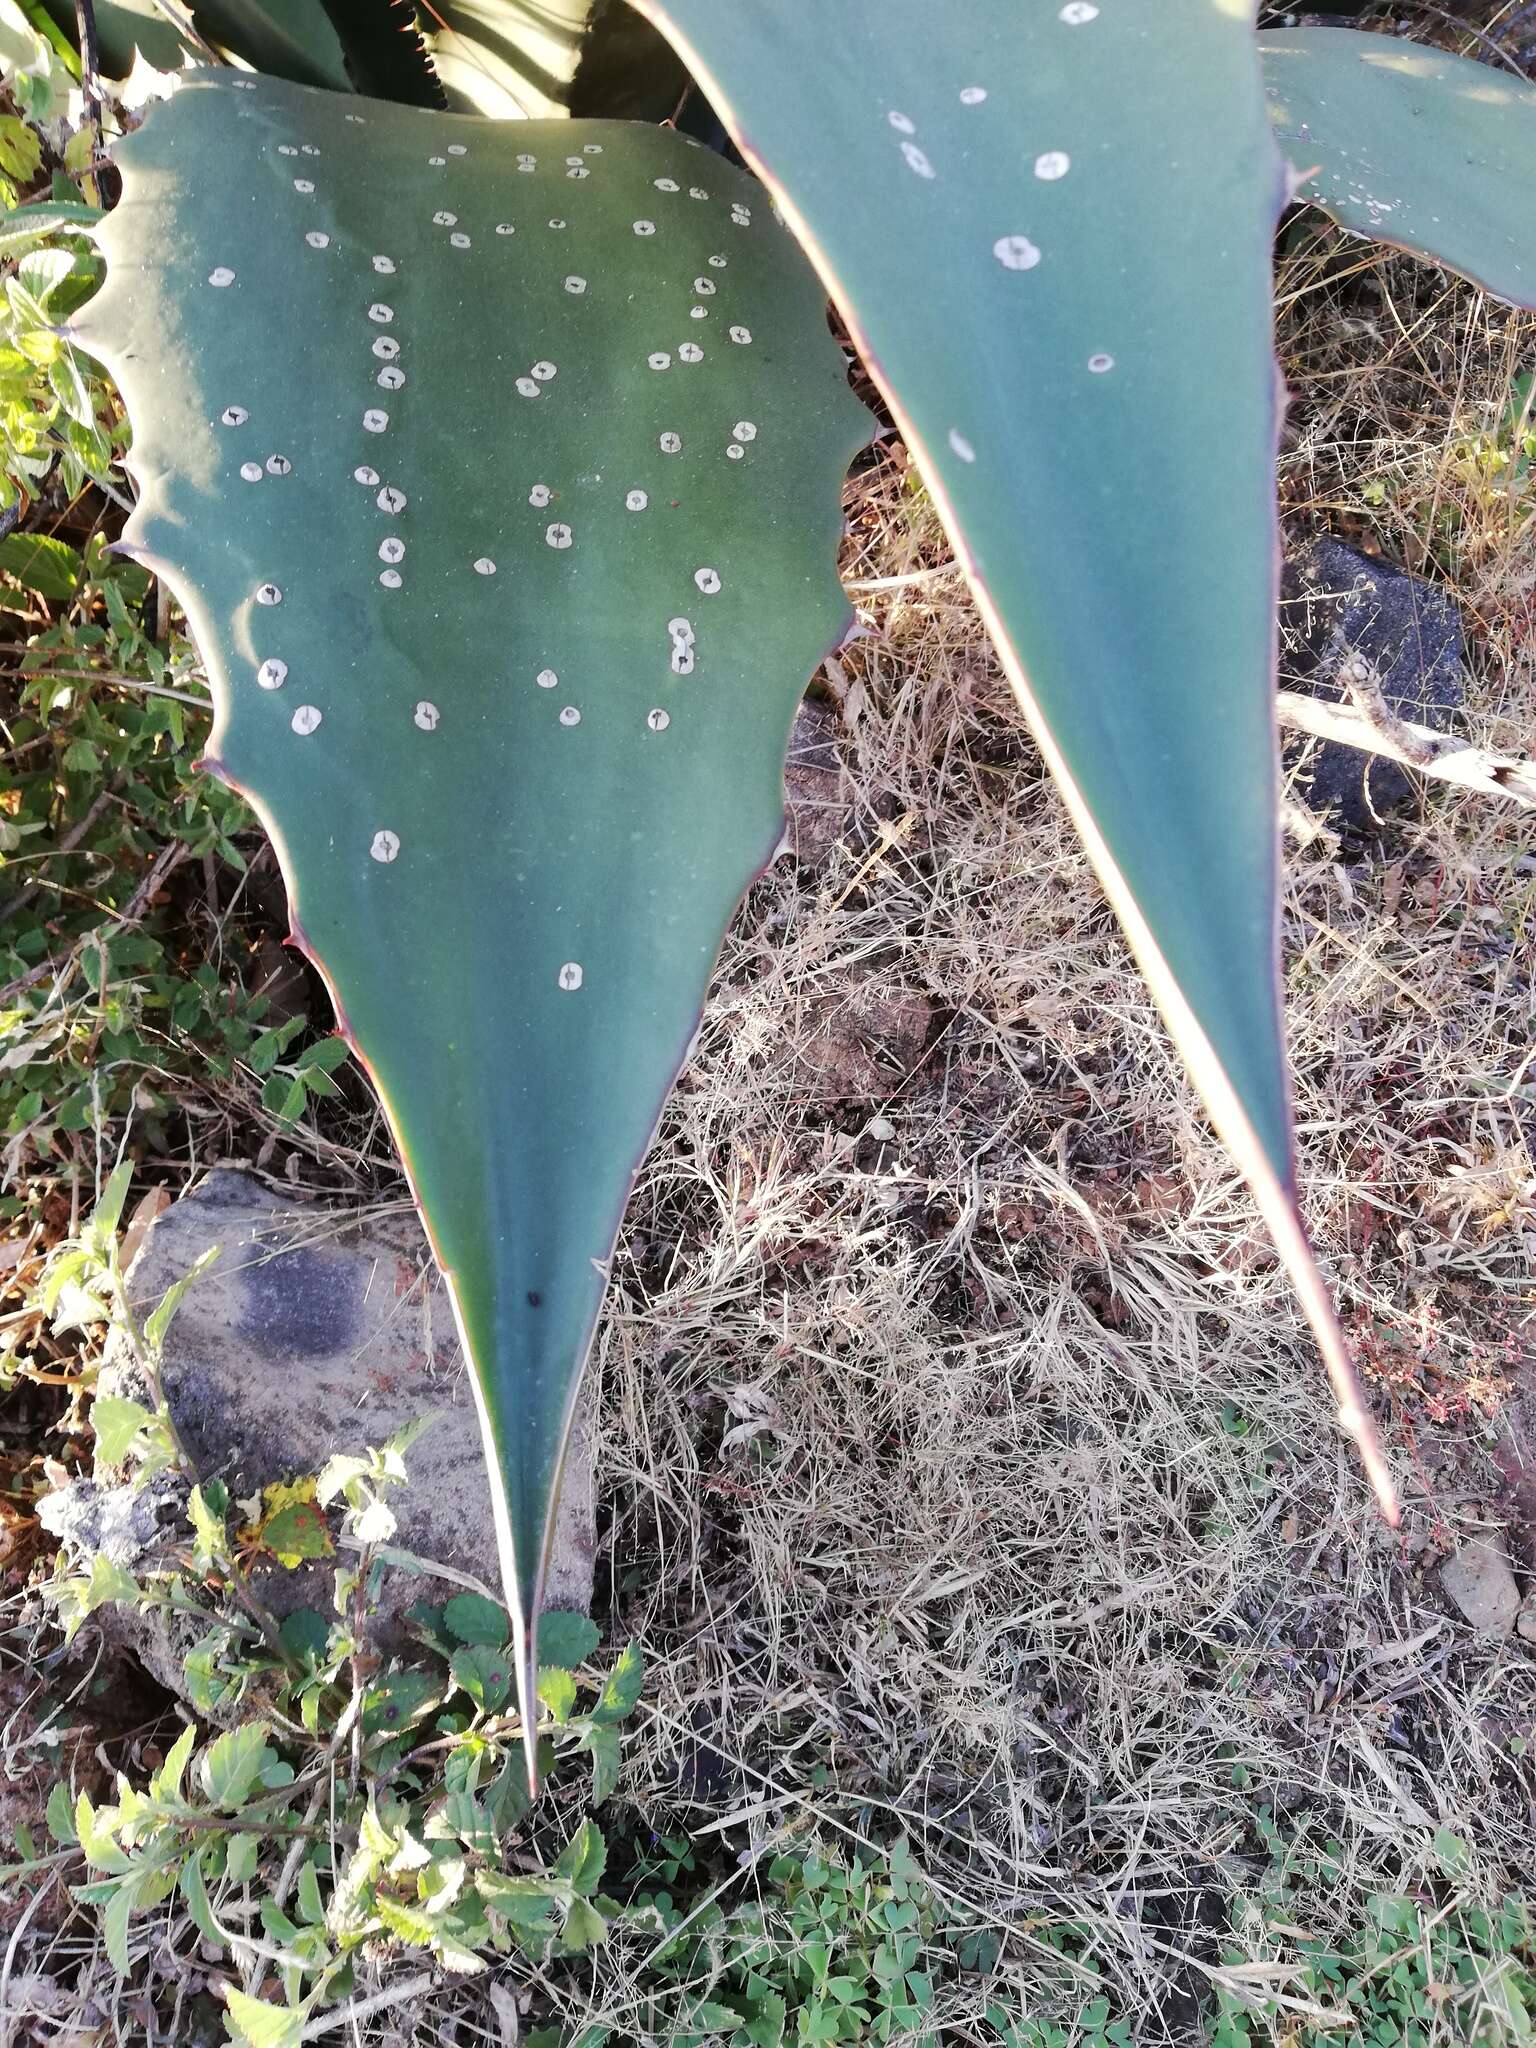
(314, 1331)
(1336, 601)
(1478, 1581)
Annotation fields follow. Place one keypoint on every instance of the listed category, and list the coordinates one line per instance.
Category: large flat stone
(316, 1330)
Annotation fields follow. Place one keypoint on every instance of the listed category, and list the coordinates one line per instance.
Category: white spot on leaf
(558, 535)
(391, 499)
(234, 416)
(546, 679)
(221, 277)
(670, 443)
(636, 501)
(381, 314)
(426, 715)
(961, 446)
(272, 674)
(385, 846)
(375, 420)
(306, 720)
(1016, 252)
(251, 471)
(708, 580)
(569, 715)
(1052, 164)
(268, 593)
(972, 95)
(645, 227)
(484, 566)
(569, 976)
(539, 496)
(657, 720)
(576, 286)
(318, 239)
(392, 549)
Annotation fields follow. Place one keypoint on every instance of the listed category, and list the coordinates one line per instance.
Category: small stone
(1478, 1581)
(1337, 602)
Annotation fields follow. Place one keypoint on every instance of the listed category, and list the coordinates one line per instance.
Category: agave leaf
(1408, 145)
(539, 59)
(289, 38)
(1050, 232)
(509, 59)
(121, 27)
(498, 469)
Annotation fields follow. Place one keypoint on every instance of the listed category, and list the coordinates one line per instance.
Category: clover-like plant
(497, 464)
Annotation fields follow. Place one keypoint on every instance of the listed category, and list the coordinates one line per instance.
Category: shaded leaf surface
(1413, 146)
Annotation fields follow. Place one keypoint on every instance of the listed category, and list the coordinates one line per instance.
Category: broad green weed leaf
(114, 1929)
(166, 1782)
(621, 1690)
(582, 1859)
(486, 1674)
(566, 1638)
(474, 1619)
(255, 2023)
(557, 1689)
(116, 1423)
(231, 1765)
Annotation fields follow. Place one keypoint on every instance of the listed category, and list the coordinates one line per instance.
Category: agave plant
(497, 467)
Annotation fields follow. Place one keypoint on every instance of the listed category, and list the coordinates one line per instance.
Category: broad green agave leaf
(1408, 145)
(290, 38)
(498, 469)
(1050, 231)
(540, 59)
